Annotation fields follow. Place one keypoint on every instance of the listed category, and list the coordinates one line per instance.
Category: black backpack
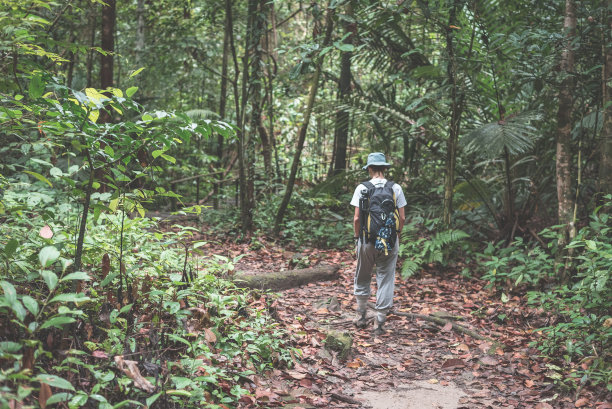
(378, 216)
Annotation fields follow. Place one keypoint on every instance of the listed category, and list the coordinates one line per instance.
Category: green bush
(516, 264)
(581, 333)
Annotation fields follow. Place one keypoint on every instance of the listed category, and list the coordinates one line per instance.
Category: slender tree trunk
(223, 96)
(107, 44)
(453, 134)
(341, 129)
(266, 143)
(241, 133)
(605, 167)
(564, 128)
(273, 43)
(255, 28)
(92, 43)
(302, 134)
(140, 33)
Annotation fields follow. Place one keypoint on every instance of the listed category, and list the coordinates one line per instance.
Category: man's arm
(402, 220)
(356, 222)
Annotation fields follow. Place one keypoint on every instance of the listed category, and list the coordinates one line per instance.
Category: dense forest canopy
(256, 117)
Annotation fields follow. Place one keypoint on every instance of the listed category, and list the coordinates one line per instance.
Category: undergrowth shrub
(581, 334)
(516, 264)
(319, 220)
(578, 337)
(420, 247)
(139, 325)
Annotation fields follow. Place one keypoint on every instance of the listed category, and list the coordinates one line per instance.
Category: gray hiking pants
(367, 258)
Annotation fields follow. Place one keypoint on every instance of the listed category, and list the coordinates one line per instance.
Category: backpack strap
(389, 185)
(365, 216)
(368, 185)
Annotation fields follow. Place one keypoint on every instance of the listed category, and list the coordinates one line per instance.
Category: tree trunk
(92, 43)
(107, 44)
(341, 128)
(453, 134)
(255, 27)
(223, 96)
(140, 33)
(605, 167)
(266, 142)
(564, 128)
(302, 134)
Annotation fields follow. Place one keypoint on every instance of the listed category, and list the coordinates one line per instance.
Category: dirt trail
(415, 364)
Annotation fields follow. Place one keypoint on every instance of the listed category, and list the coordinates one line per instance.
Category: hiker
(378, 222)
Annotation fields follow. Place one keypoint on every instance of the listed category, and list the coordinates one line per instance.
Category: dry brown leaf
(447, 327)
(355, 364)
(105, 265)
(44, 395)
(463, 347)
(46, 232)
(453, 363)
(210, 336)
(543, 405)
(130, 368)
(488, 360)
(27, 361)
(296, 375)
(581, 402)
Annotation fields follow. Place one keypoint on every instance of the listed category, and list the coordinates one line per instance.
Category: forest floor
(416, 364)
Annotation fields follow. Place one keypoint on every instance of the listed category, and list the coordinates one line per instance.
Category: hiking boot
(378, 328)
(362, 322)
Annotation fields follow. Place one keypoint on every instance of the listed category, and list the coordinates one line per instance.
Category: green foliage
(581, 333)
(516, 264)
(203, 319)
(438, 248)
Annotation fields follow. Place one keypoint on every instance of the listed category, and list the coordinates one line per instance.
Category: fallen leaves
(130, 368)
(44, 395)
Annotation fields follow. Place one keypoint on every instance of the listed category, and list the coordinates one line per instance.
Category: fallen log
(283, 280)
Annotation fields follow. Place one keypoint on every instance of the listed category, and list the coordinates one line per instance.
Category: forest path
(415, 364)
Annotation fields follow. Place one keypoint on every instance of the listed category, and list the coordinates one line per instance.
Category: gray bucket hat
(376, 159)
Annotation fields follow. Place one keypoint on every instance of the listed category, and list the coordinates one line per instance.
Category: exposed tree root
(441, 322)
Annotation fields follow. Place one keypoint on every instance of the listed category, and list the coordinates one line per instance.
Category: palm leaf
(515, 135)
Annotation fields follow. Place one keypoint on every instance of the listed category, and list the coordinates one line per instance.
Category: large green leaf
(10, 294)
(39, 177)
(36, 87)
(70, 297)
(57, 322)
(48, 255)
(31, 304)
(50, 279)
(10, 247)
(55, 381)
(515, 135)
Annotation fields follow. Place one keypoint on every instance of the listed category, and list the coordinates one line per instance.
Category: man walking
(378, 222)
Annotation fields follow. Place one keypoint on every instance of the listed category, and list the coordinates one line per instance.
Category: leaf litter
(414, 354)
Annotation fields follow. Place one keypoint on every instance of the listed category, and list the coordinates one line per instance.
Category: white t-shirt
(378, 182)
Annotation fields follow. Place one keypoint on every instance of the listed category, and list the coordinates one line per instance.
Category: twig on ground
(344, 398)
